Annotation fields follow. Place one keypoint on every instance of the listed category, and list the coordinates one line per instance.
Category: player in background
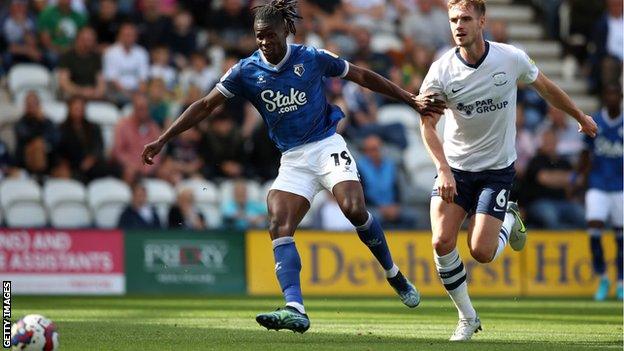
(600, 169)
(478, 81)
(285, 84)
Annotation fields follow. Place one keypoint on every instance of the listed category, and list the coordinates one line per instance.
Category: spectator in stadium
(546, 188)
(200, 9)
(411, 73)
(427, 25)
(184, 215)
(569, 140)
(182, 39)
(377, 62)
(380, 179)
(19, 34)
(139, 214)
(263, 156)
(106, 22)
(183, 159)
(159, 105)
(609, 46)
(81, 147)
(198, 73)
(37, 138)
(532, 106)
(362, 106)
(80, 69)
(160, 67)
(58, 26)
(126, 66)
(153, 26)
(243, 213)
(131, 133)
(229, 28)
(222, 148)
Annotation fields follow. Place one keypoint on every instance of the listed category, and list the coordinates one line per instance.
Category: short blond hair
(478, 5)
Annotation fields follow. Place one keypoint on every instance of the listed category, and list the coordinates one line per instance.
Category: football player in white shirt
(477, 80)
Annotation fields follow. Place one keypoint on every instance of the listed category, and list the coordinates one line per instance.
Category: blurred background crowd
(85, 84)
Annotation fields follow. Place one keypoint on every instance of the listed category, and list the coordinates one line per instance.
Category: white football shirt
(480, 122)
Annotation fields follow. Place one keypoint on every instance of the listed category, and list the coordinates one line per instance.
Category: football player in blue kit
(600, 169)
(285, 83)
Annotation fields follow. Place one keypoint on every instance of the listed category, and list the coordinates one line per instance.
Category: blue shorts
(483, 192)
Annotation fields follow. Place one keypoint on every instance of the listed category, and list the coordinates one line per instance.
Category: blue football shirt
(290, 96)
(606, 153)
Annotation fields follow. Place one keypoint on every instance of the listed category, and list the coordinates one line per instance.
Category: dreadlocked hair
(279, 10)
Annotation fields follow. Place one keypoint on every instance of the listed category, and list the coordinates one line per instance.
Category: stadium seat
(55, 110)
(204, 191)
(103, 113)
(21, 203)
(26, 215)
(161, 195)
(14, 191)
(395, 113)
(26, 76)
(107, 198)
(254, 191)
(65, 201)
(70, 216)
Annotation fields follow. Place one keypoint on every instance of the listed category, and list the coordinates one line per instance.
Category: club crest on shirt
(500, 78)
(298, 68)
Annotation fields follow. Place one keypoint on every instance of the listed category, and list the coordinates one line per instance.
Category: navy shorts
(483, 192)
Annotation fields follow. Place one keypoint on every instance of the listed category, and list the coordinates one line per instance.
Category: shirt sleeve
(527, 69)
(432, 82)
(230, 84)
(331, 65)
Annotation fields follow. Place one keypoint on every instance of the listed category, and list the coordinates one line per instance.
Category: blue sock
(287, 269)
(596, 250)
(618, 240)
(373, 236)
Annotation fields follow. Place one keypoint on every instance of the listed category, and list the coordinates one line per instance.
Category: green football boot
(518, 235)
(284, 318)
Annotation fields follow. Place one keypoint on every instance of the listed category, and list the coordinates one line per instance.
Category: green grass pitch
(227, 323)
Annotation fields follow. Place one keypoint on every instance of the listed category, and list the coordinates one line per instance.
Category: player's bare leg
(446, 221)
(350, 198)
(286, 210)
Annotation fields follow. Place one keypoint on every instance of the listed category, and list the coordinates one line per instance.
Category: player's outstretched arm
(559, 99)
(423, 104)
(445, 182)
(194, 114)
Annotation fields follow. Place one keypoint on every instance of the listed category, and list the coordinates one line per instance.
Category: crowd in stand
(153, 58)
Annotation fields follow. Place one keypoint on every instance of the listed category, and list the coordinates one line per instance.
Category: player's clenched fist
(445, 183)
(150, 151)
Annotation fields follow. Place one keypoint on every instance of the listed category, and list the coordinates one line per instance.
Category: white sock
(453, 275)
(503, 235)
(392, 272)
(296, 305)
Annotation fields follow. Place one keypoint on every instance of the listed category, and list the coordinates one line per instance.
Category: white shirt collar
(281, 63)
